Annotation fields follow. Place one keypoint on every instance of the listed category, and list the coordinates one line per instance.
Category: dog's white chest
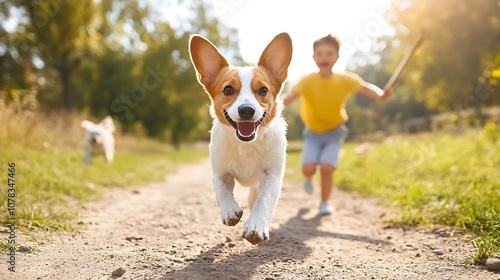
(248, 165)
(247, 162)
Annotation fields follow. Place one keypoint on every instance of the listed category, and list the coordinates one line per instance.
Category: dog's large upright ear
(277, 56)
(87, 125)
(206, 59)
(108, 124)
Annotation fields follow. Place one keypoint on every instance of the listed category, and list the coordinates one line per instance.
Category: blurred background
(68, 60)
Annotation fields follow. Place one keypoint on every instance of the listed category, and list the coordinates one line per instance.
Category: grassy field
(51, 180)
(445, 179)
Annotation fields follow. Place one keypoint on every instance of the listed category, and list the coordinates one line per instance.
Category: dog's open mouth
(245, 130)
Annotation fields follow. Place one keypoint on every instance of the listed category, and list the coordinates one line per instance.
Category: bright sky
(355, 22)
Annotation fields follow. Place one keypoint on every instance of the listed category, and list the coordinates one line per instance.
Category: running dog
(99, 139)
(248, 136)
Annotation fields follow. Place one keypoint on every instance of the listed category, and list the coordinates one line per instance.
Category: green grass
(432, 179)
(52, 182)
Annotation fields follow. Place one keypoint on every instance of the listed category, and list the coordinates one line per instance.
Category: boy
(324, 94)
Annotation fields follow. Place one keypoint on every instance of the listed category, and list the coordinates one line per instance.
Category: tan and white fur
(248, 136)
(99, 139)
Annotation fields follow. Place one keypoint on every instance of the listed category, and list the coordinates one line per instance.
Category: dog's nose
(246, 112)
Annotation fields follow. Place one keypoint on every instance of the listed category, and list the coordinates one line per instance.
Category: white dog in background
(99, 139)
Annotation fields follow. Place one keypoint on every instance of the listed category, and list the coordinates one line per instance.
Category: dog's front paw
(255, 233)
(231, 214)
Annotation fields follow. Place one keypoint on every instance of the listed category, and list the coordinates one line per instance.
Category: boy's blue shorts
(323, 147)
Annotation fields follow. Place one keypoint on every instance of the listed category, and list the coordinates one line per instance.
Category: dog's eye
(228, 90)
(263, 91)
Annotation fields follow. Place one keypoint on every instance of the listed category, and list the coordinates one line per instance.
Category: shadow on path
(287, 244)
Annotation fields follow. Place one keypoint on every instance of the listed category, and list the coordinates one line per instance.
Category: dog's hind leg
(86, 159)
(86, 154)
(230, 210)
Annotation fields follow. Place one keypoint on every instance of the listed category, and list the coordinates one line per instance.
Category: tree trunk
(65, 76)
(65, 67)
(479, 96)
(479, 113)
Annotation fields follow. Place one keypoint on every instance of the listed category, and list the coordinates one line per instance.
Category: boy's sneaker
(308, 186)
(325, 208)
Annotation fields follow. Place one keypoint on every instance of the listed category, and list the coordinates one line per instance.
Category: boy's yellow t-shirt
(323, 99)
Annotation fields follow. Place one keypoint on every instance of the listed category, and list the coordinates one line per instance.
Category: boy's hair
(328, 39)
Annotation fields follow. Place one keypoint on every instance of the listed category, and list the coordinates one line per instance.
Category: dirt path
(172, 230)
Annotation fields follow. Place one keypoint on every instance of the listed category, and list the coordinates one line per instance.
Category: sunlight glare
(357, 23)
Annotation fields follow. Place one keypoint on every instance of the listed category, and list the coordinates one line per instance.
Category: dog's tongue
(245, 128)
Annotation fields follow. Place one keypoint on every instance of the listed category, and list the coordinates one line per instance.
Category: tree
(462, 40)
(56, 32)
(60, 34)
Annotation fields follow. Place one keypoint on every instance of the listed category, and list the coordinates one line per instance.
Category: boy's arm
(374, 92)
(289, 97)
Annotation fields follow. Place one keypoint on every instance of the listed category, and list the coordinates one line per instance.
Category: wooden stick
(403, 62)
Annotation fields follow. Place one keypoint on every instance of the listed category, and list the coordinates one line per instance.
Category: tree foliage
(453, 69)
(55, 33)
(462, 40)
(117, 57)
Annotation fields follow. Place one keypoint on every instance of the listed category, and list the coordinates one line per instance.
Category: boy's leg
(327, 167)
(310, 155)
(308, 170)
(329, 160)
(326, 181)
